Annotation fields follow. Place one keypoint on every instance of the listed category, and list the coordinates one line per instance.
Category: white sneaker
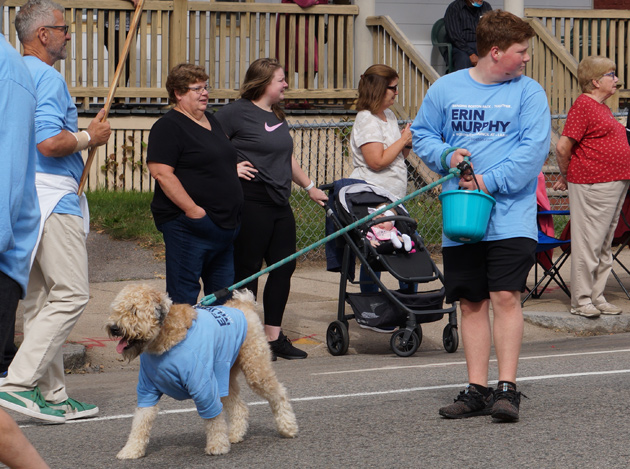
(588, 311)
(607, 308)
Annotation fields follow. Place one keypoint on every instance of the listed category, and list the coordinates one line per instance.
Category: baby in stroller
(385, 237)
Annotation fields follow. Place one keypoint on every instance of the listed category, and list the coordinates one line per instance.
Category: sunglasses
(393, 88)
(60, 28)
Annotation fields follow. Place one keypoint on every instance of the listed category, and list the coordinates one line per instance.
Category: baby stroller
(385, 308)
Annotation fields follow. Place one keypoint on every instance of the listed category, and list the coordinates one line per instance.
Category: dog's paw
(130, 452)
(287, 424)
(237, 435)
(218, 445)
(238, 428)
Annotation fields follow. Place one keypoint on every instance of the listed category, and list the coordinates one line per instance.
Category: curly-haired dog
(188, 353)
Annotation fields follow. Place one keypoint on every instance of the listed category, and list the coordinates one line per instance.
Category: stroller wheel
(337, 338)
(404, 347)
(450, 338)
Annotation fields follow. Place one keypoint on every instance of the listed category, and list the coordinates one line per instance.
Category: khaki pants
(58, 291)
(595, 212)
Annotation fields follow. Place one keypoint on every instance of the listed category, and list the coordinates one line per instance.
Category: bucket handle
(465, 167)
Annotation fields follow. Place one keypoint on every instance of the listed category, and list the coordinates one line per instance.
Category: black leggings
(267, 233)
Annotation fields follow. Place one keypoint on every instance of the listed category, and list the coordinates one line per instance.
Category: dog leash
(453, 172)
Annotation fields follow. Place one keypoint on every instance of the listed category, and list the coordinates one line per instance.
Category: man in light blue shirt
(19, 217)
(58, 288)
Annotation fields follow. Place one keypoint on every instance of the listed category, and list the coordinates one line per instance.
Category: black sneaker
(469, 403)
(282, 347)
(506, 402)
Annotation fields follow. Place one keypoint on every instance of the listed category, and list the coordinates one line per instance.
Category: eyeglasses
(393, 88)
(609, 74)
(60, 28)
(198, 89)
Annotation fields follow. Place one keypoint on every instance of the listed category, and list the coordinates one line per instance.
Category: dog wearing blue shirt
(196, 353)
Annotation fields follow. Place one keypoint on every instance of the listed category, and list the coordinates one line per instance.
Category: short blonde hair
(592, 68)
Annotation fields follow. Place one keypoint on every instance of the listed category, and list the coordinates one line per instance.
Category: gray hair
(33, 15)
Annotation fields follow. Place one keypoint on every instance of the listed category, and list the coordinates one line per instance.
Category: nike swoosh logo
(272, 128)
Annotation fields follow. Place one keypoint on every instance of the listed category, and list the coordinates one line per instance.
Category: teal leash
(210, 299)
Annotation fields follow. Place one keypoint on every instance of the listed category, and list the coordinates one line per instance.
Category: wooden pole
(112, 88)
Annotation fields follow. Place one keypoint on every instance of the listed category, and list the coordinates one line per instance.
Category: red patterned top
(602, 153)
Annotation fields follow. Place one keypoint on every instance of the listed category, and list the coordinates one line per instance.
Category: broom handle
(112, 88)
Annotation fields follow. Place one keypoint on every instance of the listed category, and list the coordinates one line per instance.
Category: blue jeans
(197, 249)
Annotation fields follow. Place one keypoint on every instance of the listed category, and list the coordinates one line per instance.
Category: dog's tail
(244, 295)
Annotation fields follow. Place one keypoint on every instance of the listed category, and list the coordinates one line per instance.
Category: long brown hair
(257, 78)
(373, 86)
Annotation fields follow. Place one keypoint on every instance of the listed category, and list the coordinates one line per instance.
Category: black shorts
(472, 271)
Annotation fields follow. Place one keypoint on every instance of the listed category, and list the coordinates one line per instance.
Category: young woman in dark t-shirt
(256, 126)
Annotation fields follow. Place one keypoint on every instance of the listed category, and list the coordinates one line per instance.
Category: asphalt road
(380, 411)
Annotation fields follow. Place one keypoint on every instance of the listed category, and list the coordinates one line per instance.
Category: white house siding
(415, 18)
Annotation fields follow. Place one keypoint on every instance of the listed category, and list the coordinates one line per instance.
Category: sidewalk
(313, 306)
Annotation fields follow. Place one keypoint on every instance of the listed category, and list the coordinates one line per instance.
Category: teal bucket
(465, 214)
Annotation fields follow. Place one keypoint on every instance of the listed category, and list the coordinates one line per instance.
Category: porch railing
(554, 68)
(316, 45)
(592, 32)
(391, 47)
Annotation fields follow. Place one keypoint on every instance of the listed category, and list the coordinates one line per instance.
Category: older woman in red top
(594, 159)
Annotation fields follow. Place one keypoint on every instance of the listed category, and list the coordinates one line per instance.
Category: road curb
(604, 324)
(74, 356)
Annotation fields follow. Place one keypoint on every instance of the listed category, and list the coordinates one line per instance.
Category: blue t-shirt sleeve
(50, 115)
(148, 394)
(522, 163)
(426, 129)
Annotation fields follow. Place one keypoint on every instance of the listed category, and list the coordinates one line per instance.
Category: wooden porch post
(363, 38)
(178, 27)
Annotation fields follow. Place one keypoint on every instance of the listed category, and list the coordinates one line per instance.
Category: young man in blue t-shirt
(500, 119)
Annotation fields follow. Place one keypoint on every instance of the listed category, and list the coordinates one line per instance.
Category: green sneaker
(74, 409)
(31, 403)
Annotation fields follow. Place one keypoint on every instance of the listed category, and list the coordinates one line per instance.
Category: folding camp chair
(621, 240)
(544, 261)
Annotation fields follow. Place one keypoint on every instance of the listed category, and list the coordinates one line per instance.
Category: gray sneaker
(607, 308)
(506, 404)
(469, 403)
(588, 311)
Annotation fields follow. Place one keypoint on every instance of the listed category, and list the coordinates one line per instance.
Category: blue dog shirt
(197, 368)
